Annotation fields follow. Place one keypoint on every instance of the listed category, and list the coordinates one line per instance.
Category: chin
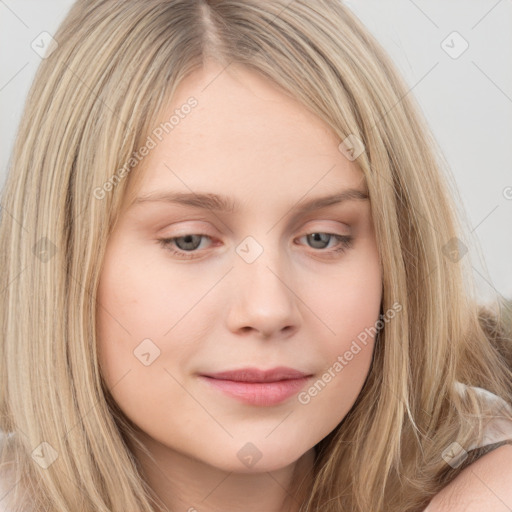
(261, 457)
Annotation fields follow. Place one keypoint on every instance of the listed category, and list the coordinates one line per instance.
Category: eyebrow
(225, 204)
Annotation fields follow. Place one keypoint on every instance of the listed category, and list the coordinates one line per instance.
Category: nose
(263, 299)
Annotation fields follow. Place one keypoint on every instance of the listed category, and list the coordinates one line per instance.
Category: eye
(186, 246)
(320, 240)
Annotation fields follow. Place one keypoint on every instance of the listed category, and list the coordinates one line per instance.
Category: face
(188, 289)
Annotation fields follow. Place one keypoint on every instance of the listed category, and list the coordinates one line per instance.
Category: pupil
(319, 237)
(186, 241)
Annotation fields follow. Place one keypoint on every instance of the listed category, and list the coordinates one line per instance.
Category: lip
(256, 386)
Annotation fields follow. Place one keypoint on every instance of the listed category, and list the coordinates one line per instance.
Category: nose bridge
(260, 264)
(263, 299)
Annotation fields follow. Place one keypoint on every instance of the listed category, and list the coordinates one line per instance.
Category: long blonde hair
(93, 103)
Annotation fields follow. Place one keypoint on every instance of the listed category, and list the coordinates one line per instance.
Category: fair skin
(484, 486)
(293, 305)
(299, 304)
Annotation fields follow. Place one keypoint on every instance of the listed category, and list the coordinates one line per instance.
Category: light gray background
(467, 100)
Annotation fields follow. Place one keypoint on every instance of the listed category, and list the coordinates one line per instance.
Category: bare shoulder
(484, 486)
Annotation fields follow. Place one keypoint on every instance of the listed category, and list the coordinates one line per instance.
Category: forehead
(244, 135)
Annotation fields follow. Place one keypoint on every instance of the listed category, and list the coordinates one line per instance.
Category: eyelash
(345, 240)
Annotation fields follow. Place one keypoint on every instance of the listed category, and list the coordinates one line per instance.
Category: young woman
(232, 277)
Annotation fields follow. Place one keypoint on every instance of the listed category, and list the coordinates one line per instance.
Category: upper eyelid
(203, 231)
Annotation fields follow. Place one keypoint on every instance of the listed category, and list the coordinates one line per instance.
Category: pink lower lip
(258, 393)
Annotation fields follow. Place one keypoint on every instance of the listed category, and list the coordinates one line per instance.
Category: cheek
(347, 298)
(144, 314)
(348, 304)
(128, 304)
(135, 298)
(347, 358)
